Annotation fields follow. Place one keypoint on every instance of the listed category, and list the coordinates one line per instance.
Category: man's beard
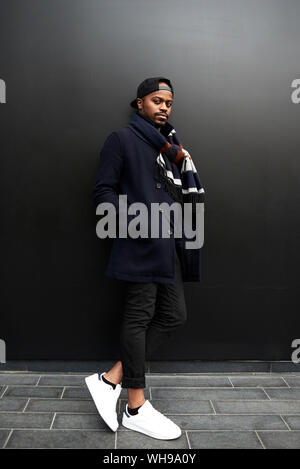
(159, 124)
(156, 124)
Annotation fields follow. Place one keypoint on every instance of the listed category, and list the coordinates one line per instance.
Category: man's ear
(141, 100)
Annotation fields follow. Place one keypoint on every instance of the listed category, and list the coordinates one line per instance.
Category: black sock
(134, 410)
(108, 382)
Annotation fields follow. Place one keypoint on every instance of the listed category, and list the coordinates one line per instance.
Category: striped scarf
(174, 166)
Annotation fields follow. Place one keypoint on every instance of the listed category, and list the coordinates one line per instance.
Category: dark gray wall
(71, 67)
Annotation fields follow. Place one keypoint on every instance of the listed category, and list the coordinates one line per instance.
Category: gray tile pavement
(221, 410)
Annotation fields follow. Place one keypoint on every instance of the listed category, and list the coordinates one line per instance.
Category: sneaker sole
(136, 428)
(104, 416)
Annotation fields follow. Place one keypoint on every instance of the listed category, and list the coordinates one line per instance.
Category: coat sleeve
(106, 187)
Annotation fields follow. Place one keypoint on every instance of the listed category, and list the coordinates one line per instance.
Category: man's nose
(163, 108)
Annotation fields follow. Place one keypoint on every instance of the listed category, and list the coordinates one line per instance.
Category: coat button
(158, 185)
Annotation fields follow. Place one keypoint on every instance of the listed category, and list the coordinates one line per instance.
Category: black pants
(152, 312)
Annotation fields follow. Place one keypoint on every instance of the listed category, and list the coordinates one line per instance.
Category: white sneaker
(105, 398)
(151, 422)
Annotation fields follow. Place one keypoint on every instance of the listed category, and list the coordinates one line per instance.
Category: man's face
(156, 103)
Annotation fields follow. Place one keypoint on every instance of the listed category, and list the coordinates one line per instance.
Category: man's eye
(158, 102)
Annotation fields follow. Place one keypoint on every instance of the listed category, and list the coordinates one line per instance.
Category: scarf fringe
(175, 191)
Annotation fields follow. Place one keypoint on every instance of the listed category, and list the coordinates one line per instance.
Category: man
(144, 161)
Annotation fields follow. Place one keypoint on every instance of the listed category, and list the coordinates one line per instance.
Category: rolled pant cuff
(135, 383)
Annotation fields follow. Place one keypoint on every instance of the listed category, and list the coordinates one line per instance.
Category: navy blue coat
(126, 166)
